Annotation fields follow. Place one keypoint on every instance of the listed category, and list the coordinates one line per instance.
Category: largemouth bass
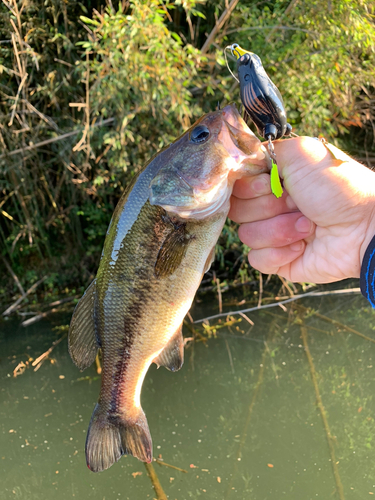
(160, 242)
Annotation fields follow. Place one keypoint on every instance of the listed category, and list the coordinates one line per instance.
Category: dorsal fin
(172, 356)
(83, 342)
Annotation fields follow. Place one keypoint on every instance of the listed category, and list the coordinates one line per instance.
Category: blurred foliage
(140, 73)
(126, 78)
(321, 55)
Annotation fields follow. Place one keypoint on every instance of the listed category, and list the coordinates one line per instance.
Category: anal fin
(82, 340)
(172, 356)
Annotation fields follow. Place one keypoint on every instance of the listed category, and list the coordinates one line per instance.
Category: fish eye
(199, 134)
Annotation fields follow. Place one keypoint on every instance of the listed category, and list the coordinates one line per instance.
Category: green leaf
(87, 20)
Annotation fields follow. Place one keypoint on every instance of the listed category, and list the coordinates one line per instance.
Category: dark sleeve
(367, 279)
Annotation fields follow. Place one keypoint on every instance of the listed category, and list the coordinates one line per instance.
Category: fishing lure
(262, 103)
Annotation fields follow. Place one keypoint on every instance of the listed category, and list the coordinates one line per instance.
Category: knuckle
(244, 233)
(270, 207)
(274, 256)
(258, 259)
(234, 211)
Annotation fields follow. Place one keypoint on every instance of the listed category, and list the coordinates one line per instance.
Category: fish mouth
(237, 138)
(232, 116)
(240, 139)
(240, 142)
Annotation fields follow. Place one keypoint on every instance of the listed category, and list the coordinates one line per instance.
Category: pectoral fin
(172, 356)
(83, 342)
(209, 261)
(172, 252)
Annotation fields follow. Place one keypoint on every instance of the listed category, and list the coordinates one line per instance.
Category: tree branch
(223, 18)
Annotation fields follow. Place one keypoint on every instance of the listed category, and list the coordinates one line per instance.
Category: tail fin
(109, 438)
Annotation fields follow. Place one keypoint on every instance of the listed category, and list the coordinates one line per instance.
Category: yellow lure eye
(238, 51)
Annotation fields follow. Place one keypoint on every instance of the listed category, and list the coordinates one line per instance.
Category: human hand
(318, 231)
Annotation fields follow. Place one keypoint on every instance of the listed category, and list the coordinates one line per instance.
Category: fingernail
(290, 203)
(303, 225)
(261, 186)
(297, 246)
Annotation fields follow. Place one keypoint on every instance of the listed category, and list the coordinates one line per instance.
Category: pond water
(241, 416)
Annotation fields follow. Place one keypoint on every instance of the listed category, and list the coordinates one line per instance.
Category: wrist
(367, 255)
(359, 213)
(364, 199)
(367, 276)
(369, 234)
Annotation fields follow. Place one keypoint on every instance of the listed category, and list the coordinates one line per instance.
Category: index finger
(300, 155)
(252, 187)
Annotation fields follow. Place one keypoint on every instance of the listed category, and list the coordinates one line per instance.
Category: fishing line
(229, 47)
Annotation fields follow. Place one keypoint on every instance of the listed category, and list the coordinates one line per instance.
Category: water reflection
(241, 416)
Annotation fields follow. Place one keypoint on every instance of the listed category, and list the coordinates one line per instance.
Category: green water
(239, 429)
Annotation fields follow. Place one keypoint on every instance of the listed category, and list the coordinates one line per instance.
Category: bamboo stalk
(248, 418)
(155, 482)
(219, 295)
(38, 361)
(21, 199)
(18, 301)
(194, 331)
(98, 364)
(54, 139)
(16, 99)
(229, 355)
(330, 438)
(282, 302)
(287, 10)
(309, 327)
(286, 285)
(161, 462)
(14, 276)
(38, 317)
(222, 20)
(337, 323)
(246, 318)
(260, 290)
(272, 364)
